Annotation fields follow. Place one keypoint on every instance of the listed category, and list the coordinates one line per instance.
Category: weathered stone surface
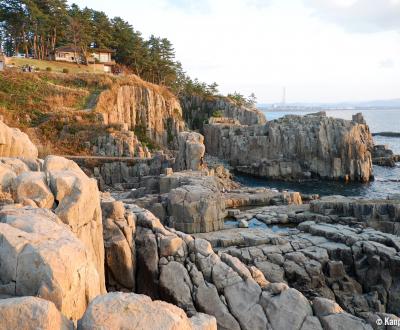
(120, 144)
(202, 321)
(191, 151)
(243, 301)
(14, 143)
(119, 310)
(25, 313)
(196, 205)
(143, 107)
(39, 256)
(33, 185)
(208, 301)
(176, 286)
(290, 303)
(343, 321)
(78, 205)
(295, 147)
(119, 243)
(197, 110)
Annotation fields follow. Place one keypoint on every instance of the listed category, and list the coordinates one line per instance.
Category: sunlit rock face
(295, 147)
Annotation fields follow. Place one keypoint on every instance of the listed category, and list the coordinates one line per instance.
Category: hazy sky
(321, 50)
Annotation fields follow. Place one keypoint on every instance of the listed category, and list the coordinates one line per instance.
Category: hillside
(65, 113)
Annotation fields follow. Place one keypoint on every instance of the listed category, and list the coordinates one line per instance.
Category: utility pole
(284, 96)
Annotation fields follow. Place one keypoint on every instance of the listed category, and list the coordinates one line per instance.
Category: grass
(73, 68)
(52, 107)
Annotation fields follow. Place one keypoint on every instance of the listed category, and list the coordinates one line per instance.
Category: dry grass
(49, 106)
(55, 66)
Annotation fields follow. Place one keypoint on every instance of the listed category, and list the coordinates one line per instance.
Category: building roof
(72, 48)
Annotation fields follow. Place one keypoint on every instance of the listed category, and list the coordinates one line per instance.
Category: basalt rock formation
(149, 110)
(295, 147)
(198, 109)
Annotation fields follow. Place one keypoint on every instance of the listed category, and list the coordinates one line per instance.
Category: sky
(319, 50)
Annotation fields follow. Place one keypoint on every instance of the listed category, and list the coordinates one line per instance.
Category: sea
(387, 180)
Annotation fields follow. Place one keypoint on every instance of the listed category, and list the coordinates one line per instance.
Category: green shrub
(49, 69)
(218, 114)
(65, 70)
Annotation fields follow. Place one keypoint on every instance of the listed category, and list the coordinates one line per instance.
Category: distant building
(101, 58)
(2, 61)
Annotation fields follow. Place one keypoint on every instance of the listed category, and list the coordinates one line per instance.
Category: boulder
(33, 185)
(14, 143)
(78, 205)
(39, 256)
(26, 313)
(119, 310)
(290, 303)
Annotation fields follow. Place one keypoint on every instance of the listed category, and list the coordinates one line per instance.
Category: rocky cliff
(295, 147)
(198, 109)
(149, 110)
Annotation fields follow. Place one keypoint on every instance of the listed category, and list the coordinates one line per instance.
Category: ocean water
(387, 180)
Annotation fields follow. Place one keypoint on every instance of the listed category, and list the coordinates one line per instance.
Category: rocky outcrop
(185, 271)
(149, 110)
(132, 311)
(61, 186)
(120, 144)
(40, 256)
(14, 143)
(321, 255)
(134, 173)
(295, 147)
(383, 156)
(78, 205)
(194, 202)
(191, 152)
(382, 215)
(27, 313)
(197, 110)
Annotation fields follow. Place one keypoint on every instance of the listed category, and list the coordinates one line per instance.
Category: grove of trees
(37, 27)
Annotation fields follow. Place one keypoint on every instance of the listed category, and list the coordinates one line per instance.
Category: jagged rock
(119, 243)
(78, 205)
(295, 147)
(119, 310)
(14, 143)
(39, 256)
(197, 110)
(191, 151)
(25, 313)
